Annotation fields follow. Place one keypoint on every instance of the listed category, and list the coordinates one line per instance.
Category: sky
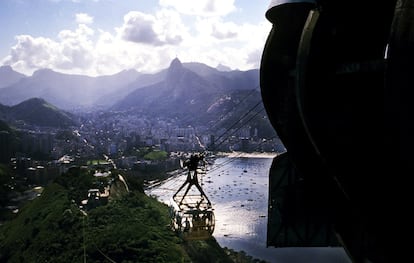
(103, 37)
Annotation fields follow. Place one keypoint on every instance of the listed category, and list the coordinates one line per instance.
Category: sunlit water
(238, 190)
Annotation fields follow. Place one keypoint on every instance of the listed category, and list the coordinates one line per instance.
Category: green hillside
(39, 112)
(133, 228)
(9, 142)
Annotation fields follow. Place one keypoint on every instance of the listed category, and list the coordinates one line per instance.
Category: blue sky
(99, 37)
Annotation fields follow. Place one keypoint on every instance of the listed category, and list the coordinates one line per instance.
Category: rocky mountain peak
(175, 69)
(176, 63)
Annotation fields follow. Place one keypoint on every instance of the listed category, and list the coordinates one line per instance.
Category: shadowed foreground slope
(132, 228)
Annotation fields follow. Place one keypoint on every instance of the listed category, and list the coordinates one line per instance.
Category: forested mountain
(36, 111)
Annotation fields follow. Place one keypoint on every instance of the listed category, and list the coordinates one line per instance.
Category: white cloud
(238, 46)
(84, 51)
(200, 7)
(32, 52)
(170, 27)
(165, 28)
(77, 47)
(72, 52)
(83, 18)
(139, 27)
(145, 42)
(215, 27)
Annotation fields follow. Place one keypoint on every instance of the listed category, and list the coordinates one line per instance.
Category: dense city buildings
(38, 154)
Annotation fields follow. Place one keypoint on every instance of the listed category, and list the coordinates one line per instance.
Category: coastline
(237, 154)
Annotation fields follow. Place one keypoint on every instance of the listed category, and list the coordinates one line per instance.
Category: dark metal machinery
(337, 81)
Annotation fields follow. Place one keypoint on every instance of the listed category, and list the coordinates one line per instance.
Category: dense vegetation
(147, 153)
(39, 112)
(5, 182)
(131, 228)
(47, 229)
(9, 142)
(156, 155)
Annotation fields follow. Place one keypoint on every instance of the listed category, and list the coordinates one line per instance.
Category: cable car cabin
(95, 199)
(192, 223)
(191, 212)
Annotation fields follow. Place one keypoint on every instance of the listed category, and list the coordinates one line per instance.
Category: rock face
(193, 93)
(181, 89)
(118, 188)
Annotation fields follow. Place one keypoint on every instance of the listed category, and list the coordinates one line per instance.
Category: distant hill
(182, 92)
(36, 111)
(221, 67)
(8, 76)
(64, 90)
(196, 94)
(231, 79)
(3, 111)
(122, 91)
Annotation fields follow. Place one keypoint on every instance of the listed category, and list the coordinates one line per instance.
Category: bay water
(237, 186)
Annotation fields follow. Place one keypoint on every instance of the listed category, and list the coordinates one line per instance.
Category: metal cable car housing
(337, 84)
(191, 212)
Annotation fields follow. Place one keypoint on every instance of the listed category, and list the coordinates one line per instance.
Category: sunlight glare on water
(238, 190)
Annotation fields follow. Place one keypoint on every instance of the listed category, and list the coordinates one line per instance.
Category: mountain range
(77, 91)
(64, 90)
(192, 93)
